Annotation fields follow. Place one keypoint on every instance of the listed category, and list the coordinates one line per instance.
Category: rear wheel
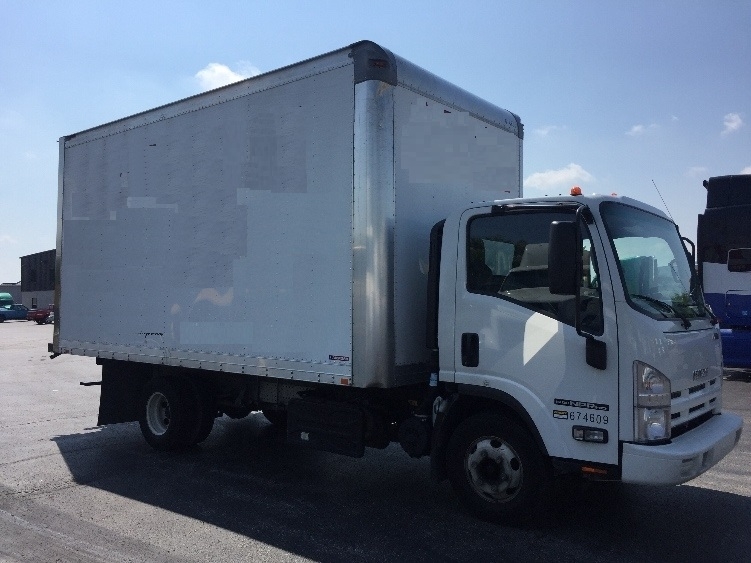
(496, 469)
(167, 420)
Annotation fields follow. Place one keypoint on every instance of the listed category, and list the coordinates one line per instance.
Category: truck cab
(581, 321)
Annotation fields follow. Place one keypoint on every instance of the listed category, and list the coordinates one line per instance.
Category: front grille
(676, 431)
(692, 406)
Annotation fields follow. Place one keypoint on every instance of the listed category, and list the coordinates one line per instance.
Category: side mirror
(691, 254)
(563, 259)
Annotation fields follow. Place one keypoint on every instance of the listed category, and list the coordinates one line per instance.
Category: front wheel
(496, 468)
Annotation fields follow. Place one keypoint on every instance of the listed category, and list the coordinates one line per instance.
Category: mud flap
(121, 390)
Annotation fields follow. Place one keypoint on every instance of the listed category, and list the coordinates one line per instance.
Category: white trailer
(314, 243)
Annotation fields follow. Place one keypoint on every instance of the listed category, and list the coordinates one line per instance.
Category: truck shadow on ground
(384, 507)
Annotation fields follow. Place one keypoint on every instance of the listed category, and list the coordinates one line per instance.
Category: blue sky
(614, 95)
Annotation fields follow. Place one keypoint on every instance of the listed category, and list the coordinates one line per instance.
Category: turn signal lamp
(576, 190)
(594, 470)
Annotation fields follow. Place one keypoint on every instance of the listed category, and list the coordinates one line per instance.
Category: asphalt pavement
(72, 491)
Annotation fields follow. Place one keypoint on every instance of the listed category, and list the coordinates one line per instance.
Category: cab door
(516, 341)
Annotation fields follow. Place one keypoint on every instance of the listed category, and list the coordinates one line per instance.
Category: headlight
(651, 404)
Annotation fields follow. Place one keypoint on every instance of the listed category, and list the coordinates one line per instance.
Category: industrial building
(38, 279)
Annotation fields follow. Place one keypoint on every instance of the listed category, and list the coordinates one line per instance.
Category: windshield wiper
(661, 305)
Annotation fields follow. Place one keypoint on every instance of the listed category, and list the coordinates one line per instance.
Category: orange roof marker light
(576, 190)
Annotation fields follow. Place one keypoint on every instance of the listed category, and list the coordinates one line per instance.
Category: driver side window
(507, 258)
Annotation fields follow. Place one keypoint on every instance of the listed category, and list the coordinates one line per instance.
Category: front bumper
(685, 457)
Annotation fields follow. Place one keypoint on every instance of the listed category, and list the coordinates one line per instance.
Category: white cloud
(7, 239)
(635, 130)
(215, 75)
(554, 179)
(247, 69)
(640, 129)
(746, 170)
(546, 130)
(732, 123)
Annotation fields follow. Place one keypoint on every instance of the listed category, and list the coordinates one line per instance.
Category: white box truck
(342, 245)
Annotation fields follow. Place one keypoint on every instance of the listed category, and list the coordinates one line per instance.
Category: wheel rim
(158, 413)
(494, 469)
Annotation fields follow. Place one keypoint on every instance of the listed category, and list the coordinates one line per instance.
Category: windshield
(653, 263)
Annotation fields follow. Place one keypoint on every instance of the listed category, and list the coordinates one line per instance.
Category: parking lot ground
(71, 491)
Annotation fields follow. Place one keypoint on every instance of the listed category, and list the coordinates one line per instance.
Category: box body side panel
(445, 159)
(223, 233)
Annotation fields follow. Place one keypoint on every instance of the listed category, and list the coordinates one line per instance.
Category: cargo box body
(278, 226)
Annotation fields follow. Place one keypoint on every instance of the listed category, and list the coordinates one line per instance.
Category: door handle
(470, 349)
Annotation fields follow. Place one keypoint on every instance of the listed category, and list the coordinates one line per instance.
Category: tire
(168, 415)
(277, 417)
(2, 319)
(496, 469)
